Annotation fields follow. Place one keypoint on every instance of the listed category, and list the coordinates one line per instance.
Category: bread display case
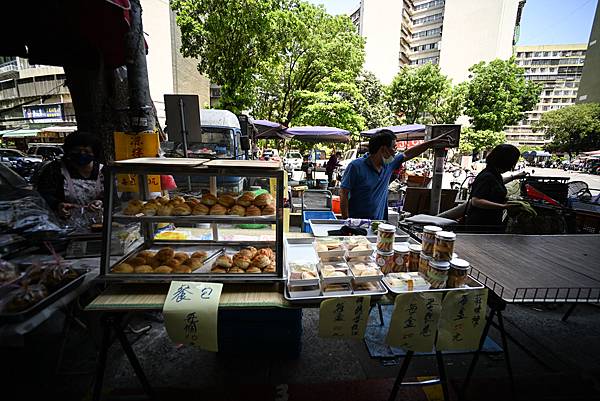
(191, 232)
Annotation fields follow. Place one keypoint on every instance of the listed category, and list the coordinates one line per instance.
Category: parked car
(270, 154)
(19, 162)
(46, 151)
(293, 158)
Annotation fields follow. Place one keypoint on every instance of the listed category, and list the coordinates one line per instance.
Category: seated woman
(488, 193)
(73, 186)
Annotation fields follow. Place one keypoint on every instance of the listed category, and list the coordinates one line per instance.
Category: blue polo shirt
(368, 188)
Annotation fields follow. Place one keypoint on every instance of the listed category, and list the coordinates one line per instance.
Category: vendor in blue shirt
(364, 188)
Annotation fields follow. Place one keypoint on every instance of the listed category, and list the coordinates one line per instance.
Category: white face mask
(388, 160)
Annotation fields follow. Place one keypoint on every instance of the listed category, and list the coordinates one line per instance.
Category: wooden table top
(540, 268)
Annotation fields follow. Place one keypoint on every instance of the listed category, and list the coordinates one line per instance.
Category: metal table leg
(381, 322)
(135, 363)
(102, 356)
(506, 355)
(568, 313)
(401, 374)
(442, 372)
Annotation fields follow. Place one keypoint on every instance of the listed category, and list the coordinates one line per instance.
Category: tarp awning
(21, 133)
(319, 134)
(59, 129)
(403, 132)
(270, 130)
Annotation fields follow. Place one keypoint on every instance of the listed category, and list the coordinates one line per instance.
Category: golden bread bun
(235, 270)
(181, 256)
(150, 209)
(209, 199)
(182, 210)
(268, 210)
(143, 269)
(252, 250)
(163, 269)
(173, 263)
(193, 263)
(261, 261)
(146, 254)
(122, 268)
(268, 252)
(137, 261)
(163, 200)
(165, 210)
(199, 255)
(165, 253)
(155, 262)
(218, 210)
(224, 261)
(177, 200)
(263, 200)
(183, 269)
(200, 210)
(226, 200)
(241, 261)
(269, 269)
(246, 252)
(238, 210)
(249, 194)
(253, 269)
(134, 206)
(252, 211)
(218, 269)
(245, 200)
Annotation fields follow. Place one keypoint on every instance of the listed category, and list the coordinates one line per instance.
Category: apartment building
(452, 33)
(558, 68)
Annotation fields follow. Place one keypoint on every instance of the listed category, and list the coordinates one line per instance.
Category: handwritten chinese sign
(190, 312)
(463, 319)
(414, 321)
(344, 317)
(131, 146)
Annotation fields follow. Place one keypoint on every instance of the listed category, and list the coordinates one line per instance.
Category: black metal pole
(401, 374)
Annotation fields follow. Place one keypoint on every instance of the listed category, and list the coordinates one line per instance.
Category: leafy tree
(415, 90)
(498, 95)
(231, 38)
(376, 111)
(572, 129)
(472, 141)
(449, 105)
(311, 46)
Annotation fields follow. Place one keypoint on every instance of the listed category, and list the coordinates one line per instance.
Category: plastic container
(428, 238)
(437, 273)
(385, 261)
(385, 237)
(413, 257)
(335, 204)
(401, 258)
(458, 273)
(424, 264)
(444, 245)
(315, 215)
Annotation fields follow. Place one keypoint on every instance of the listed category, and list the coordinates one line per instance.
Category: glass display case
(191, 232)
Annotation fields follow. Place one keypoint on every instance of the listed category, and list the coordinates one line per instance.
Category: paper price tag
(190, 313)
(344, 317)
(463, 319)
(414, 321)
(131, 146)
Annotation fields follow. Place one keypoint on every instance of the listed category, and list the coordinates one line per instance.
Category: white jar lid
(439, 264)
(431, 229)
(423, 256)
(401, 248)
(415, 248)
(459, 263)
(446, 235)
(386, 227)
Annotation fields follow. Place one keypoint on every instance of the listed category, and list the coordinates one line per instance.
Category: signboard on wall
(43, 113)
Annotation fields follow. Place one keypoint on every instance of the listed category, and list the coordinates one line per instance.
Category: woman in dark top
(73, 186)
(488, 193)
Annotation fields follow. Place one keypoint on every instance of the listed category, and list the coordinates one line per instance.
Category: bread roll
(193, 263)
(252, 211)
(146, 254)
(226, 200)
(218, 210)
(165, 210)
(246, 252)
(249, 194)
(155, 262)
(245, 200)
(268, 210)
(252, 251)
(177, 200)
(209, 199)
(165, 253)
(163, 200)
(182, 210)
(241, 261)
(163, 269)
(263, 200)
(183, 269)
(261, 261)
(136, 261)
(269, 269)
(122, 268)
(200, 210)
(143, 269)
(134, 206)
(235, 270)
(268, 252)
(199, 255)
(173, 263)
(150, 209)
(218, 269)
(224, 261)
(253, 269)
(181, 256)
(238, 210)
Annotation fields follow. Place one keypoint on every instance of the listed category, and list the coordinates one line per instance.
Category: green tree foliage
(231, 38)
(472, 141)
(498, 95)
(572, 129)
(415, 90)
(449, 105)
(376, 112)
(311, 47)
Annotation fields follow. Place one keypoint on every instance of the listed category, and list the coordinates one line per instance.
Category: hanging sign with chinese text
(344, 317)
(462, 321)
(414, 321)
(131, 146)
(190, 313)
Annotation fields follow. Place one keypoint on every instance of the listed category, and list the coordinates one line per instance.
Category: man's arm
(422, 147)
(344, 202)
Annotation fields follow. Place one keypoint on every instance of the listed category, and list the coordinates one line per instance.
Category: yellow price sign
(344, 317)
(131, 146)
(462, 321)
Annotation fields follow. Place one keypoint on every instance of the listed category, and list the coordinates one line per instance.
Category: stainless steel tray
(471, 282)
(378, 294)
(218, 219)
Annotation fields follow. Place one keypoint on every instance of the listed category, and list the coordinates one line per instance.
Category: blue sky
(543, 21)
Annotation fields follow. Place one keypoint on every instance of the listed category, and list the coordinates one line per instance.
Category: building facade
(589, 88)
(452, 33)
(558, 68)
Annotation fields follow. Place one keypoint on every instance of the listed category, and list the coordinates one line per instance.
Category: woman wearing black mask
(73, 186)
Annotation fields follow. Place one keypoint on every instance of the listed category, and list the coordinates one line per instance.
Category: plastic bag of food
(29, 216)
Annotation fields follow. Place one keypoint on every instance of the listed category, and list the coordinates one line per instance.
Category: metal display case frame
(211, 168)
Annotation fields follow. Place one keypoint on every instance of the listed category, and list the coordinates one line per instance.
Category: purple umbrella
(319, 134)
(403, 132)
(269, 130)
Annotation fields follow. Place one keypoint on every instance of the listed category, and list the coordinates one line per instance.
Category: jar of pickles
(428, 239)
(385, 261)
(385, 237)
(457, 275)
(413, 257)
(444, 245)
(424, 264)
(437, 273)
(401, 260)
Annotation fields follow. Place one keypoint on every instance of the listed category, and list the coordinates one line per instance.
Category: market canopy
(319, 134)
(270, 130)
(403, 132)
(19, 133)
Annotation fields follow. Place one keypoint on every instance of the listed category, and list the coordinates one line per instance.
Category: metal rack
(144, 167)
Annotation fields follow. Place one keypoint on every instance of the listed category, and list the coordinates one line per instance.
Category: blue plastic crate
(316, 215)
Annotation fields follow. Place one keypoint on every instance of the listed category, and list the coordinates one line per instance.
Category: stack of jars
(385, 248)
(438, 262)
